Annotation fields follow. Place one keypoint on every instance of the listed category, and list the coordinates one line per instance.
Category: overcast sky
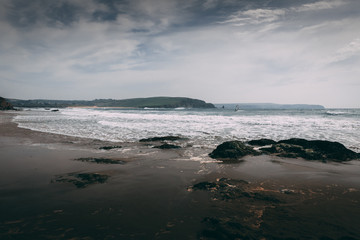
(280, 51)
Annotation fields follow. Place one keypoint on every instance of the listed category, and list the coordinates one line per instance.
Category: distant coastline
(151, 102)
(154, 102)
(268, 106)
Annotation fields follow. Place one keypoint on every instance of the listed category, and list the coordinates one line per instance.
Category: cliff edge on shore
(5, 105)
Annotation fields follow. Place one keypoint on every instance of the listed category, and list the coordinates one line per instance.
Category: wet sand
(152, 194)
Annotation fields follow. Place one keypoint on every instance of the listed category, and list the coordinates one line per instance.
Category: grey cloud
(221, 51)
(31, 13)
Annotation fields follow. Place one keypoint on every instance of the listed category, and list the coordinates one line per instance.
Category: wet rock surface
(262, 142)
(109, 147)
(271, 210)
(159, 139)
(81, 180)
(225, 188)
(290, 148)
(312, 150)
(232, 150)
(100, 160)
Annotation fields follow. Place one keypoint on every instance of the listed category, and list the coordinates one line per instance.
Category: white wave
(203, 127)
(336, 113)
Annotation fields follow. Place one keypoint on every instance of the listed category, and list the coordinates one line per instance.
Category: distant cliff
(5, 105)
(152, 102)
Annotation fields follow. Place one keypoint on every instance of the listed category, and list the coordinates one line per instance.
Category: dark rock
(168, 146)
(232, 150)
(109, 147)
(204, 186)
(261, 142)
(100, 160)
(224, 188)
(82, 180)
(312, 150)
(229, 189)
(159, 139)
(55, 110)
(5, 105)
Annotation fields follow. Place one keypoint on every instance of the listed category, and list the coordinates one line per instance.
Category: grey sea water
(204, 127)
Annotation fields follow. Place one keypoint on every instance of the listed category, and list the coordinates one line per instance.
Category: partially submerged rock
(167, 146)
(290, 148)
(109, 147)
(226, 189)
(223, 188)
(312, 150)
(159, 139)
(100, 160)
(82, 180)
(232, 150)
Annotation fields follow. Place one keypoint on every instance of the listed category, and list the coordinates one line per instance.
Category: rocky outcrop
(232, 150)
(5, 105)
(290, 148)
(312, 150)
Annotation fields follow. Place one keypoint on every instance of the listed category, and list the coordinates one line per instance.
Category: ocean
(203, 127)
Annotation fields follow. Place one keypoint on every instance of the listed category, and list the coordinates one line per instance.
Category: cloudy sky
(221, 51)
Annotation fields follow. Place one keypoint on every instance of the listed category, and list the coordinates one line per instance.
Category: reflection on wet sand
(167, 194)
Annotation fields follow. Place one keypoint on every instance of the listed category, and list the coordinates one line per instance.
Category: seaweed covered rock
(232, 150)
(312, 150)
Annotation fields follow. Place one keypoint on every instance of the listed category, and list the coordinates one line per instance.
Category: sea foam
(202, 127)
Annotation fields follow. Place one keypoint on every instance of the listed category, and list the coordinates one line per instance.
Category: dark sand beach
(60, 187)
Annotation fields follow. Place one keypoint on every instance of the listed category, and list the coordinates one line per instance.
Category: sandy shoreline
(151, 194)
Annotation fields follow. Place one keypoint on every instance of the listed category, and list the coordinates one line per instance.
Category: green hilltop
(151, 102)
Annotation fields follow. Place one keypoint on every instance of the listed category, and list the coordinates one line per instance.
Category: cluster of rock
(164, 141)
(290, 148)
(227, 188)
(81, 180)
